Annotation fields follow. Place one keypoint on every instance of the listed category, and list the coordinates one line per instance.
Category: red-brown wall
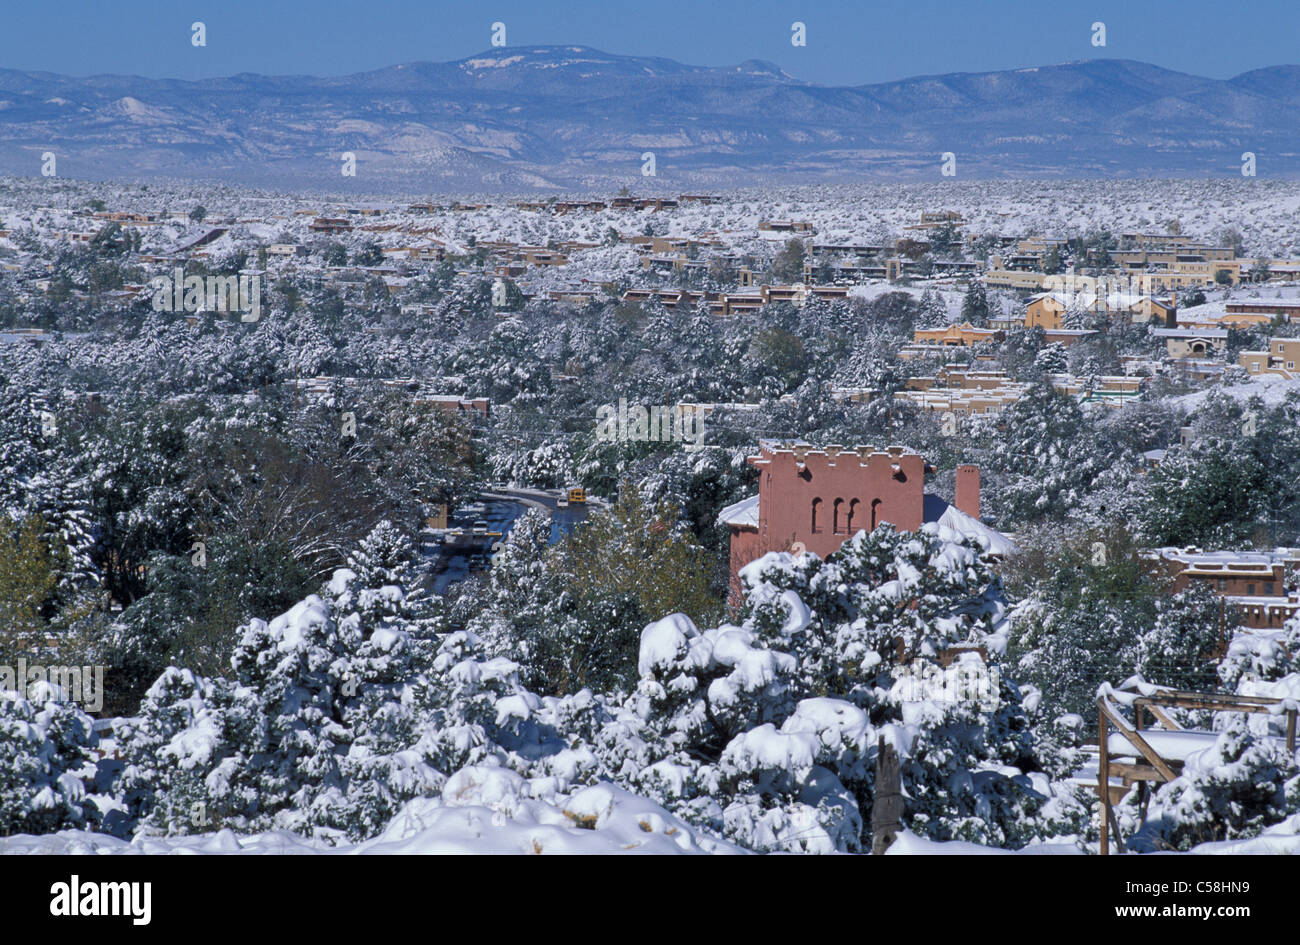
(871, 486)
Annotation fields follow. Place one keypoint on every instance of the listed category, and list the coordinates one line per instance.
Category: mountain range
(544, 118)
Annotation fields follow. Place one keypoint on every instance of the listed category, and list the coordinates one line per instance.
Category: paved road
(499, 508)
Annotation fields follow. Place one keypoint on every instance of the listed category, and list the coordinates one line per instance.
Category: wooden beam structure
(1153, 767)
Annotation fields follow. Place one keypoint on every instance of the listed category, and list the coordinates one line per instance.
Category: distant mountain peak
(544, 117)
(763, 67)
(534, 54)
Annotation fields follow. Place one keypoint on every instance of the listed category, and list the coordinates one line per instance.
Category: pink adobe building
(820, 497)
(1256, 582)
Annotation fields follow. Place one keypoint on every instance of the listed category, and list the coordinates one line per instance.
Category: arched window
(839, 524)
(875, 513)
(818, 525)
(854, 520)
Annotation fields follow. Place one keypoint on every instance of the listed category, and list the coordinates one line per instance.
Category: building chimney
(968, 490)
(1172, 320)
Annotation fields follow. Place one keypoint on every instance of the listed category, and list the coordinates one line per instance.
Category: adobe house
(1151, 309)
(1287, 308)
(956, 336)
(329, 225)
(1254, 581)
(818, 498)
(1238, 320)
(451, 403)
(1045, 310)
(1281, 358)
(1190, 343)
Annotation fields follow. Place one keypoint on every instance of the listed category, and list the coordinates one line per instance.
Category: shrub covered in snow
(319, 728)
(1234, 790)
(768, 730)
(46, 763)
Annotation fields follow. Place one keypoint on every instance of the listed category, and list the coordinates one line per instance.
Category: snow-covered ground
(1270, 388)
(619, 823)
(481, 810)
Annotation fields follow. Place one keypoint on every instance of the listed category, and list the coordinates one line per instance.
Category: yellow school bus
(578, 494)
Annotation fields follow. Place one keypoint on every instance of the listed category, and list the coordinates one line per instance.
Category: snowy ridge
(574, 110)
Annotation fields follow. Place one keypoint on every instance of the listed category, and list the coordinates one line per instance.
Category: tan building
(1281, 358)
(1191, 342)
(1287, 308)
(1000, 278)
(450, 403)
(956, 336)
(330, 225)
(785, 226)
(539, 256)
(1242, 320)
(963, 402)
(1046, 311)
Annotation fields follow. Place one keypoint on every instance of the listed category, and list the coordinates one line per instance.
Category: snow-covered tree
(1048, 456)
(1235, 789)
(46, 766)
(768, 730)
(975, 304)
(1051, 359)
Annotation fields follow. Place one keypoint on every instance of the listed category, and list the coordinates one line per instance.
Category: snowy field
(598, 820)
(481, 810)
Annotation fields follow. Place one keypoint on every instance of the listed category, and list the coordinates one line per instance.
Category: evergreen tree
(1051, 359)
(570, 614)
(767, 731)
(1091, 612)
(46, 747)
(28, 584)
(1232, 791)
(934, 313)
(788, 265)
(1049, 454)
(975, 304)
(1211, 496)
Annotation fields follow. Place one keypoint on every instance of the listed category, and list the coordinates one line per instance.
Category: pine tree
(933, 312)
(1232, 791)
(46, 749)
(384, 557)
(1051, 359)
(28, 583)
(1211, 496)
(1049, 453)
(975, 304)
(319, 730)
(766, 732)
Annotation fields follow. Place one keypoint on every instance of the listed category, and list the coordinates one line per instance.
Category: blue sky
(849, 43)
